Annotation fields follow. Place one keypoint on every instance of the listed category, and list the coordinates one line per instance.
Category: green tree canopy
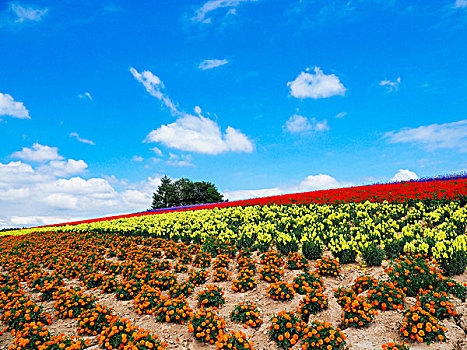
(184, 192)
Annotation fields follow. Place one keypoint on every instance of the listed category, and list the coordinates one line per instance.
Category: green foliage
(184, 192)
(346, 256)
(312, 250)
(454, 265)
(373, 255)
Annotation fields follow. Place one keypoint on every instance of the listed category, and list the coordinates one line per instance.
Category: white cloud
(461, 4)
(246, 194)
(76, 136)
(404, 175)
(317, 85)
(61, 168)
(202, 135)
(137, 158)
(318, 182)
(298, 123)
(341, 115)
(52, 192)
(27, 13)
(12, 108)
(189, 132)
(391, 85)
(209, 64)
(213, 5)
(20, 174)
(434, 136)
(38, 153)
(35, 220)
(85, 95)
(153, 86)
(310, 183)
(180, 160)
(157, 151)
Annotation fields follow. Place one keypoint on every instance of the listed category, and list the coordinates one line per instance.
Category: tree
(184, 192)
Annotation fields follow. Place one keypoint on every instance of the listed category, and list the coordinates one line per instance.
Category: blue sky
(99, 99)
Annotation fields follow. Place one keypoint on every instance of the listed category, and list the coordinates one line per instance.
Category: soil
(383, 329)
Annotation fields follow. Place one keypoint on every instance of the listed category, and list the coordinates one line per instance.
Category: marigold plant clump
(212, 296)
(63, 342)
(386, 296)
(117, 334)
(128, 289)
(313, 302)
(247, 313)
(202, 260)
(198, 277)
(306, 280)
(206, 325)
(328, 267)
(395, 346)
(109, 284)
(271, 273)
(419, 325)
(344, 295)
(220, 275)
(272, 258)
(147, 300)
(437, 304)
(30, 337)
(70, 303)
(413, 273)
(363, 283)
(358, 313)
(93, 321)
(281, 291)
(174, 310)
(322, 335)
(243, 283)
(234, 341)
(143, 340)
(222, 260)
(286, 329)
(296, 261)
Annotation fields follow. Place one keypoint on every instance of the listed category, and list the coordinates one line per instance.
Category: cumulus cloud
(318, 182)
(209, 64)
(137, 158)
(25, 13)
(12, 108)
(193, 133)
(310, 183)
(212, 5)
(317, 85)
(202, 135)
(76, 136)
(404, 175)
(38, 153)
(85, 95)
(391, 85)
(64, 168)
(433, 137)
(180, 160)
(49, 199)
(461, 4)
(54, 190)
(298, 123)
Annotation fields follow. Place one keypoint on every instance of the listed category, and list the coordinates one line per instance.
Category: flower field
(360, 270)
